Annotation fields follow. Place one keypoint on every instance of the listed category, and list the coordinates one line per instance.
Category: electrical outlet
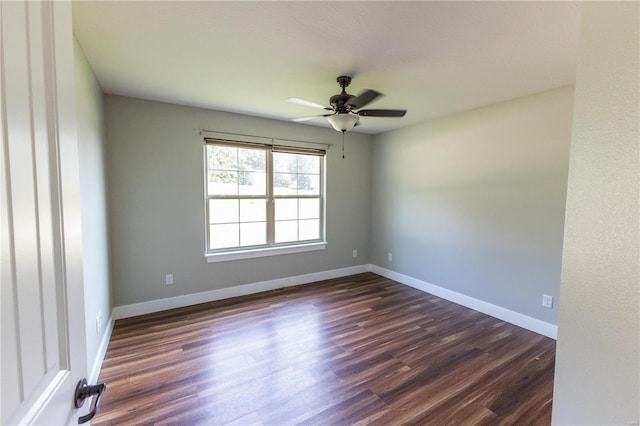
(390, 257)
(547, 301)
(98, 322)
(355, 253)
(168, 279)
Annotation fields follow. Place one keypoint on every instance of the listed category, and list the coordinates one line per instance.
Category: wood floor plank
(358, 350)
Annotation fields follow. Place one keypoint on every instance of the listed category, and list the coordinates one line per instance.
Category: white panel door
(43, 340)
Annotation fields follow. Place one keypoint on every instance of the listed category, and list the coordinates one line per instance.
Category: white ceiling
(432, 58)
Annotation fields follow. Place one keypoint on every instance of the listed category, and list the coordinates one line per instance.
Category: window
(262, 197)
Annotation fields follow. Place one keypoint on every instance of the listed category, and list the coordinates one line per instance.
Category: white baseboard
(135, 309)
(521, 320)
(516, 318)
(102, 351)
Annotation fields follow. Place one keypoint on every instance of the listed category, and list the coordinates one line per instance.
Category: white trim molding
(262, 252)
(102, 351)
(512, 317)
(136, 309)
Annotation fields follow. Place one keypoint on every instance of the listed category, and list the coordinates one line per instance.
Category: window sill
(263, 252)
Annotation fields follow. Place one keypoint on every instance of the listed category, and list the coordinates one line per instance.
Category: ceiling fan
(346, 109)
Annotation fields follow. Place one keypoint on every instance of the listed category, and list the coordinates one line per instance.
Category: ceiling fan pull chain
(343, 144)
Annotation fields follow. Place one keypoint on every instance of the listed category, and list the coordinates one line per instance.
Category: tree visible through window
(262, 196)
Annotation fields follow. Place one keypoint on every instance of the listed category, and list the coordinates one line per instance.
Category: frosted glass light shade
(343, 122)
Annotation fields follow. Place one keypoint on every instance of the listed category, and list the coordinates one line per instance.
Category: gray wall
(155, 158)
(474, 202)
(93, 188)
(598, 353)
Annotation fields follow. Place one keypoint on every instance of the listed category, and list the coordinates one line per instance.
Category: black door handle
(84, 391)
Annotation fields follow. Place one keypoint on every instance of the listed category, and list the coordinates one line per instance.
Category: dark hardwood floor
(350, 351)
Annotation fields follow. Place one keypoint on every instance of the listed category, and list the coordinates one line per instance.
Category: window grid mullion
(238, 192)
(237, 197)
(297, 199)
(298, 219)
(271, 205)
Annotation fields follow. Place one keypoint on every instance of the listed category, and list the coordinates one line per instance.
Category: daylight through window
(261, 196)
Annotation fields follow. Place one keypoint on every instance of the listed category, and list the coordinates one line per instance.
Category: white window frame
(271, 248)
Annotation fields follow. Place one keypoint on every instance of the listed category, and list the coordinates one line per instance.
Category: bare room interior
(320, 213)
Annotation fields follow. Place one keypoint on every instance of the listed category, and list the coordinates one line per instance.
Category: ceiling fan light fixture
(343, 122)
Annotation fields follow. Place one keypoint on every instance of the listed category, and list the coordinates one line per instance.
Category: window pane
(223, 211)
(309, 208)
(309, 229)
(223, 183)
(285, 163)
(308, 184)
(239, 178)
(284, 184)
(253, 183)
(253, 210)
(222, 236)
(309, 164)
(286, 209)
(252, 234)
(222, 157)
(286, 231)
(252, 160)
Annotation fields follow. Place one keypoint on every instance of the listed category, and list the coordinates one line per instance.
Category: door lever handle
(84, 391)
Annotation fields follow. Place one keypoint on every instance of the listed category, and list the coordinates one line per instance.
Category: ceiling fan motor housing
(339, 101)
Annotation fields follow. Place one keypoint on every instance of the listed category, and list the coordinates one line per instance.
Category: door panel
(43, 341)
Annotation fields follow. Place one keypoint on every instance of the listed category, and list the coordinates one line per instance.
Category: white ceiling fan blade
(306, 103)
(311, 117)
